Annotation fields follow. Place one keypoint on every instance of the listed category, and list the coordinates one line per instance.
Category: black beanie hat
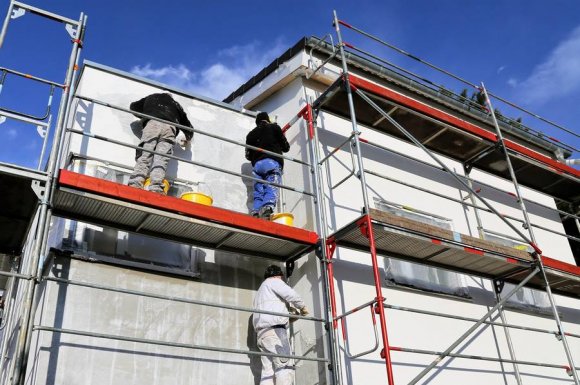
(262, 116)
(273, 271)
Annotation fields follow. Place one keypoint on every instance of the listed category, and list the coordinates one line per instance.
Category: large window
(508, 241)
(124, 248)
(408, 274)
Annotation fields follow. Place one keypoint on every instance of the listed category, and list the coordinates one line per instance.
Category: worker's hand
(304, 311)
(181, 140)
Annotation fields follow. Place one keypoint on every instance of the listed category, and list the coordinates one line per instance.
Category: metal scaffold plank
(403, 240)
(94, 200)
(424, 120)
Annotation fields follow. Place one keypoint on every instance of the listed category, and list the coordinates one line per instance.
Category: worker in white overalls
(274, 295)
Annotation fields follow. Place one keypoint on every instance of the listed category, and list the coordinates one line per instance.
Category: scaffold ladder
(76, 31)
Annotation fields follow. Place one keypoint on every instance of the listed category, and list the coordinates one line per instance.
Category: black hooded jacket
(163, 106)
(268, 136)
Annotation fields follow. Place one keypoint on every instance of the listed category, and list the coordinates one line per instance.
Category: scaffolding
(70, 195)
(350, 97)
(64, 193)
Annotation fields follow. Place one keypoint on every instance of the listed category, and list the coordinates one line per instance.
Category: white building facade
(137, 288)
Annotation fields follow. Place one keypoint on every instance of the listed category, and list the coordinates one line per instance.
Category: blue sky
(527, 51)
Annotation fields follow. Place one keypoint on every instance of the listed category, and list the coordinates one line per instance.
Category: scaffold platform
(418, 242)
(106, 203)
(451, 136)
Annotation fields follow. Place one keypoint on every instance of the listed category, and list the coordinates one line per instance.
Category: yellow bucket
(197, 197)
(165, 185)
(283, 218)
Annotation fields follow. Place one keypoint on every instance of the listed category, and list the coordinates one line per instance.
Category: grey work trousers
(275, 370)
(158, 137)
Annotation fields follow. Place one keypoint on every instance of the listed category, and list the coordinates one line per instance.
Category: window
(124, 248)
(408, 274)
(414, 214)
(528, 300)
(403, 273)
(507, 241)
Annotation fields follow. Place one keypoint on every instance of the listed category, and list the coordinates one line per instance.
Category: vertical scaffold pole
(6, 21)
(496, 286)
(370, 234)
(321, 230)
(508, 336)
(537, 251)
(462, 338)
(44, 218)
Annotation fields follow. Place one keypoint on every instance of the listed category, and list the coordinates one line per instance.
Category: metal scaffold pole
(368, 224)
(537, 251)
(497, 287)
(508, 337)
(27, 320)
(321, 230)
(457, 342)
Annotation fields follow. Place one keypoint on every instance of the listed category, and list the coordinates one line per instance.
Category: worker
(274, 295)
(158, 137)
(266, 167)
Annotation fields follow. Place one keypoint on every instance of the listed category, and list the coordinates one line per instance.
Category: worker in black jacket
(158, 137)
(267, 136)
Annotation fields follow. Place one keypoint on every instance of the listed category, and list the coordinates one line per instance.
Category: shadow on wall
(137, 127)
(173, 166)
(233, 270)
(59, 270)
(303, 342)
(157, 355)
(359, 273)
(255, 360)
(83, 117)
(247, 170)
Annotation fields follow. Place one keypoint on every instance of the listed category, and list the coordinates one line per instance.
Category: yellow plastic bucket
(283, 218)
(197, 197)
(165, 185)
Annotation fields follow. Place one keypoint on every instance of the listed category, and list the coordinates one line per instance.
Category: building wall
(217, 277)
(232, 279)
(353, 273)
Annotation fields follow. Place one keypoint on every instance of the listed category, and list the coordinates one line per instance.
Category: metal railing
(75, 29)
(188, 301)
(444, 91)
(466, 186)
(192, 130)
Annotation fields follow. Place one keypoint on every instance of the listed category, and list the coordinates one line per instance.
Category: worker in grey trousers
(274, 295)
(159, 137)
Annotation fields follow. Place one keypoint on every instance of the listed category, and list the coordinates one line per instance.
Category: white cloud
(500, 69)
(557, 76)
(12, 133)
(231, 68)
(179, 73)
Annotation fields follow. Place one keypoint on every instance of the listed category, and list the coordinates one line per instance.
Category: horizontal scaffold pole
(192, 162)
(173, 344)
(444, 166)
(457, 342)
(173, 299)
(189, 129)
(460, 79)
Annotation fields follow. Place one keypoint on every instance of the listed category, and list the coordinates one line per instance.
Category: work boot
(158, 190)
(266, 212)
(255, 214)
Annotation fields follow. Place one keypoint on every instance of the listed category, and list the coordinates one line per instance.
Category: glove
(181, 140)
(304, 311)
